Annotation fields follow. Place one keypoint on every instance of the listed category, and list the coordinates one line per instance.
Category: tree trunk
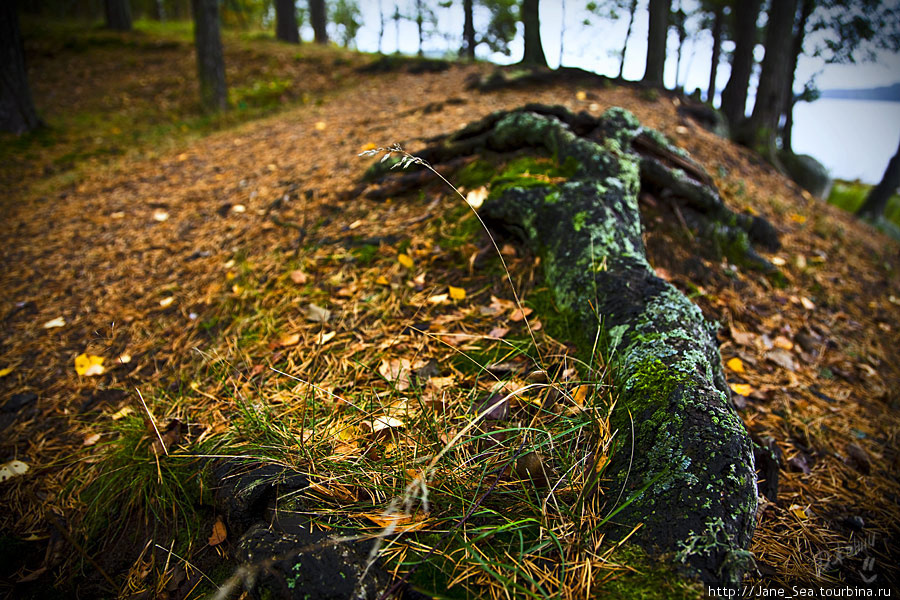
(118, 15)
(468, 49)
(806, 9)
(878, 197)
(531, 20)
(210, 59)
(684, 466)
(318, 19)
(17, 113)
(760, 130)
(420, 26)
(286, 28)
(656, 42)
(631, 10)
(734, 97)
(718, 25)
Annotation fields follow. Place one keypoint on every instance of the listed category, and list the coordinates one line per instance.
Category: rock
(807, 172)
(244, 490)
(294, 563)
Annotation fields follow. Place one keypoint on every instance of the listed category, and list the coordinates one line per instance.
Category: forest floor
(242, 304)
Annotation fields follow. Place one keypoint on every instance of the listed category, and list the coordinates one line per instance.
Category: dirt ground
(135, 257)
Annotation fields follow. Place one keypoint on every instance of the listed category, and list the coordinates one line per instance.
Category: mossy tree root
(684, 461)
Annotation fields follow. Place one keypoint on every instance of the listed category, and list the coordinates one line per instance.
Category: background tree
(17, 113)
(875, 203)
(715, 11)
(210, 58)
(760, 130)
(318, 20)
(347, 20)
(609, 10)
(678, 22)
(286, 28)
(531, 20)
(805, 10)
(425, 20)
(734, 97)
(468, 46)
(632, 8)
(656, 42)
(118, 14)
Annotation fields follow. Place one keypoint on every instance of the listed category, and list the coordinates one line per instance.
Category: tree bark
(760, 131)
(210, 58)
(468, 49)
(656, 42)
(734, 97)
(631, 10)
(118, 15)
(286, 28)
(531, 20)
(718, 26)
(318, 19)
(806, 10)
(878, 197)
(17, 113)
(684, 468)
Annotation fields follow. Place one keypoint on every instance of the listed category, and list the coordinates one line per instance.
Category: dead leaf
(91, 439)
(160, 216)
(219, 533)
(798, 512)
(57, 322)
(476, 198)
(167, 301)
(288, 339)
(317, 314)
(6, 371)
(320, 125)
(520, 313)
(122, 413)
(782, 342)
(581, 95)
(324, 338)
(782, 358)
(13, 468)
(742, 338)
(438, 298)
(498, 332)
(299, 277)
(807, 303)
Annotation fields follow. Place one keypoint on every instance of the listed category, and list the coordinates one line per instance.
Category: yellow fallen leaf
(167, 301)
(736, 365)
(798, 512)
(290, 339)
(367, 147)
(580, 95)
(741, 389)
(160, 215)
(6, 371)
(382, 280)
(405, 260)
(457, 293)
(782, 342)
(438, 298)
(778, 261)
(798, 218)
(239, 208)
(57, 322)
(324, 338)
(122, 413)
(89, 365)
(320, 125)
(219, 533)
(124, 359)
(580, 394)
(807, 303)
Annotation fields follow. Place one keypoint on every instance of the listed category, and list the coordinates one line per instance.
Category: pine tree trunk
(534, 50)
(796, 50)
(118, 15)
(286, 28)
(318, 18)
(718, 23)
(760, 130)
(656, 42)
(734, 97)
(17, 113)
(468, 49)
(210, 58)
(631, 11)
(878, 198)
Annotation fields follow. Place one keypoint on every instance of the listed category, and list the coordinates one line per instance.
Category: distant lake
(855, 139)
